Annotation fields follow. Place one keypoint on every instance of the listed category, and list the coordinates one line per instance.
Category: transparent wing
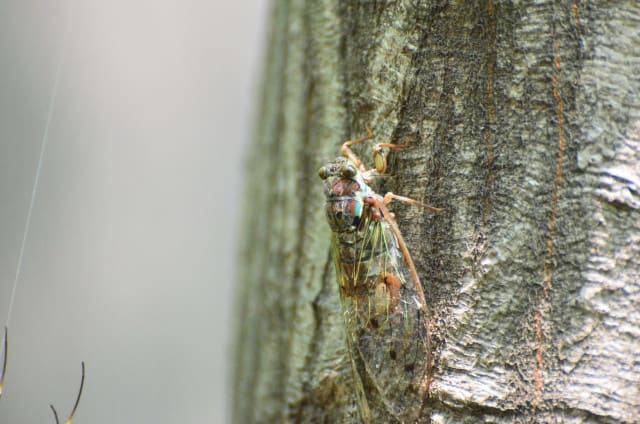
(386, 323)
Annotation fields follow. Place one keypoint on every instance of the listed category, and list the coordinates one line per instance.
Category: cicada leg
(379, 154)
(347, 152)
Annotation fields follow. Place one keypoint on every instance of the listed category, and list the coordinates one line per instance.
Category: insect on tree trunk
(526, 124)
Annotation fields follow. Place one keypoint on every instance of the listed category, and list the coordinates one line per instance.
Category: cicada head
(341, 178)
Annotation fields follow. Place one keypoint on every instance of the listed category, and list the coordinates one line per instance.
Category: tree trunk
(527, 123)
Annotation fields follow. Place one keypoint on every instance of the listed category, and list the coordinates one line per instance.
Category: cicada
(385, 311)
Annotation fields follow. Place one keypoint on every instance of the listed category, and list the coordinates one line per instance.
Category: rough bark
(527, 117)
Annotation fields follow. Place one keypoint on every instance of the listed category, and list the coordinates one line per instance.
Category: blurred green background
(129, 263)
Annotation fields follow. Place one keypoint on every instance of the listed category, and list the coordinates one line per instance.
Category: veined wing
(385, 320)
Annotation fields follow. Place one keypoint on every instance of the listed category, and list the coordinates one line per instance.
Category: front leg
(348, 153)
(379, 153)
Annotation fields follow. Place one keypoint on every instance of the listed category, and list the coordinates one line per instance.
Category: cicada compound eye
(348, 171)
(322, 172)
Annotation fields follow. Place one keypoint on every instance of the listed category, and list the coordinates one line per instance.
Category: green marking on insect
(385, 310)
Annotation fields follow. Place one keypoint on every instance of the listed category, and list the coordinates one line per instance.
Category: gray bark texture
(527, 123)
